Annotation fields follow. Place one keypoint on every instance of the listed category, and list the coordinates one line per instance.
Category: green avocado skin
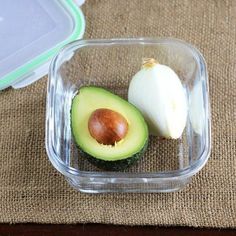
(118, 165)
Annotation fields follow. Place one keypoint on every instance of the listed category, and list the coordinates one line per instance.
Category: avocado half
(109, 157)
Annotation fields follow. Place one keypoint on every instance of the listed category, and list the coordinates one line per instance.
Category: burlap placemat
(32, 191)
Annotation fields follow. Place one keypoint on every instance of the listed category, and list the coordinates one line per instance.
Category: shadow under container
(167, 165)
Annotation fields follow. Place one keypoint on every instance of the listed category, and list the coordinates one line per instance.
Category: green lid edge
(41, 59)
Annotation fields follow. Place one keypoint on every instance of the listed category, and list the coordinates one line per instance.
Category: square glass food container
(167, 165)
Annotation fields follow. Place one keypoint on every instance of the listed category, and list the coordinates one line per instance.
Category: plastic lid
(31, 34)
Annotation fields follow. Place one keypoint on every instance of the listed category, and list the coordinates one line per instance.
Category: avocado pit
(107, 126)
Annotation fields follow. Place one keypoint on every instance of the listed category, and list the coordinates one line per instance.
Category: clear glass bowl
(167, 165)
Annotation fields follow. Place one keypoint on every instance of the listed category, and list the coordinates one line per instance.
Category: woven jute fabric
(31, 190)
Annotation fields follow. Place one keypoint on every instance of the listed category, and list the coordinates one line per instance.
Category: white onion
(157, 92)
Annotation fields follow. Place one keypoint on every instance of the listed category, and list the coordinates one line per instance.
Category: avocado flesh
(123, 153)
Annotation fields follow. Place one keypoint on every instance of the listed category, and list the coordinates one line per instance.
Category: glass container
(167, 165)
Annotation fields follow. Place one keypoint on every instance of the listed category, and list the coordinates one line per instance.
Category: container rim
(163, 175)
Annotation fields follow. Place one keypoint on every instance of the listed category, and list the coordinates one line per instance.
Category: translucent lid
(31, 32)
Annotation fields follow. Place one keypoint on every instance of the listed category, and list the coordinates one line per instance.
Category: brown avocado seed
(107, 126)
